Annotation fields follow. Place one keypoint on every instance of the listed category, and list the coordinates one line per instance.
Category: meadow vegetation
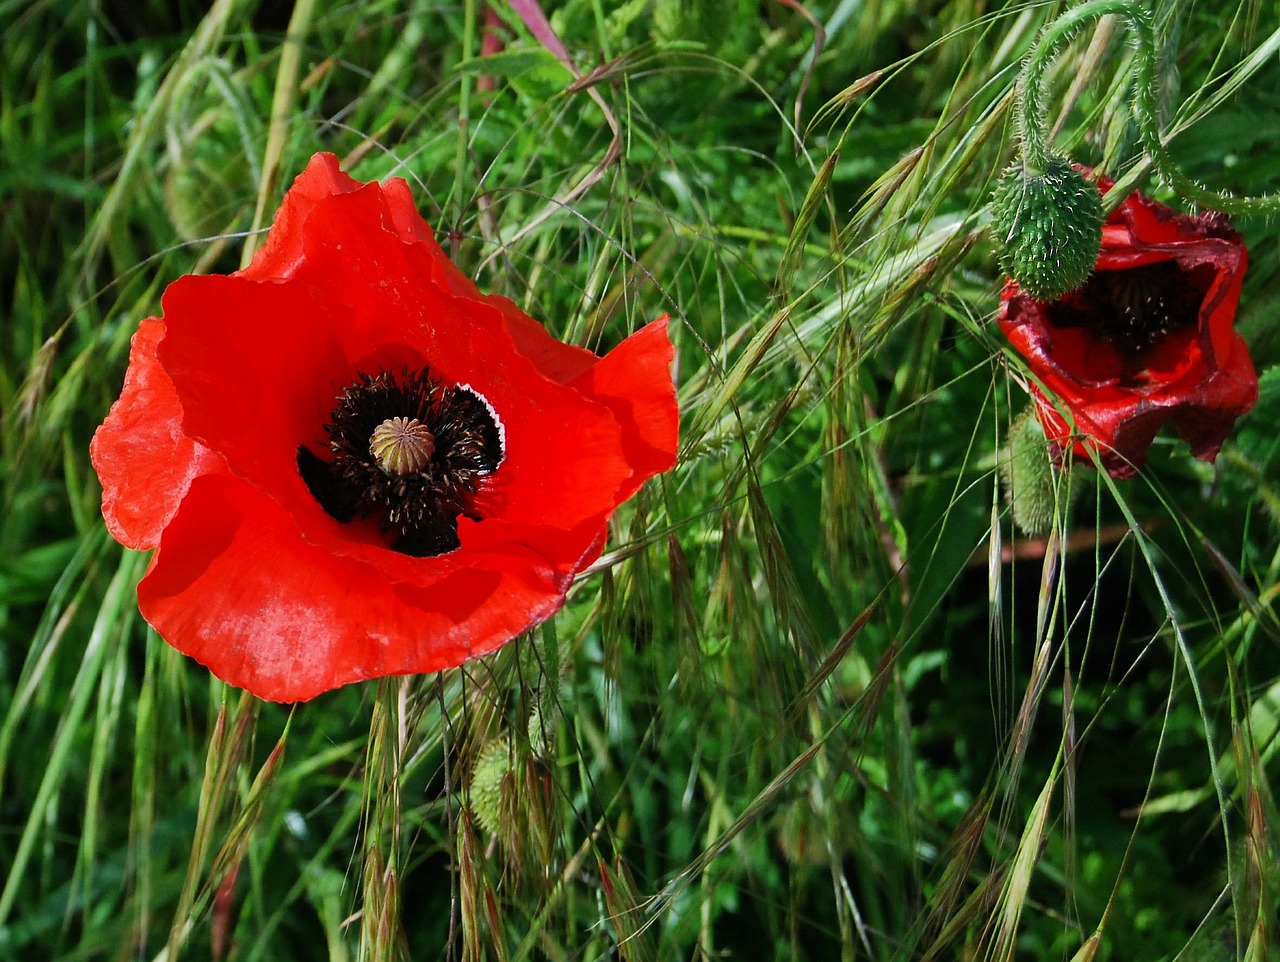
(820, 698)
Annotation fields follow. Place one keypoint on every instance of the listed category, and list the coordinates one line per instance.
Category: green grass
(819, 699)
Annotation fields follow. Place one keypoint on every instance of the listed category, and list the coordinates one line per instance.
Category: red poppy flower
(1147, 339)
(354, 464)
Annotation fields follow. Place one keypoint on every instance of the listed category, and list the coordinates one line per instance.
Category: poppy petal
(556, 360)
(264, 383)
(382, 292)
(143, 458)
(292, 620)
(281, 254)
(634, 379)
(268, 388)
(294, 249)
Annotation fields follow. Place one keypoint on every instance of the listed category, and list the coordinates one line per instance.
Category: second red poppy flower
(1148, 339)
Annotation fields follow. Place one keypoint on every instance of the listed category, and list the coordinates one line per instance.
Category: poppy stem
(550, 654)
(1032, 117)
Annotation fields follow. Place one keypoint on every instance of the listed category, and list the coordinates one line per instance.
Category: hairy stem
(1032, 115)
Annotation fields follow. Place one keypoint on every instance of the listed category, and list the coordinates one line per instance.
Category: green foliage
(819, 698)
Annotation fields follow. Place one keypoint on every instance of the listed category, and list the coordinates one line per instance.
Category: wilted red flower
(354, 464)
(1147, 339)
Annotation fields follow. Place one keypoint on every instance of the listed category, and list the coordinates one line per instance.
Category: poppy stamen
(1135, 308)
(1144, 304)
(409, 453)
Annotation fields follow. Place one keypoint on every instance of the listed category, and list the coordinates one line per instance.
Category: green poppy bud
(1030, 483)
(491, 774)
(1049, 228)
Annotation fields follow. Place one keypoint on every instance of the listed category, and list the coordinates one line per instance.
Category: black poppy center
(1136, 307)
(408, 453)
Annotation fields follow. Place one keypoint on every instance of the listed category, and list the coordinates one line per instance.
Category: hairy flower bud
(491, 777)
(1026, 468)
(1049, 228)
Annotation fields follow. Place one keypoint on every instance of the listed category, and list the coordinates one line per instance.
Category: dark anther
(408, 453)
(1147, 305)
(1135, 308)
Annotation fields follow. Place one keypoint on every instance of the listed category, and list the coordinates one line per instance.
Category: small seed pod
(1049, 228)
(1030, 483)
(489, 779)
(549, 705)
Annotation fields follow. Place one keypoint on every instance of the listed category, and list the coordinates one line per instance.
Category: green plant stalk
(143, 134)
(105, 633)
(233, 731)
(469, 48)
(380, 933)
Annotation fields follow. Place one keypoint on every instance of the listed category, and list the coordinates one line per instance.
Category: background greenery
(819, 699)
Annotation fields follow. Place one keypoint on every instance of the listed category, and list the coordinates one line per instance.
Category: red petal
(1201, 378)
(1223, 300)
(282, 252)
(384, 215)
(141, 454)
(234, 587)
(634, 379)
(252, 577)
(565, 457)
(371, 251)
(256, 372)
(1229, 393)
(554, 359)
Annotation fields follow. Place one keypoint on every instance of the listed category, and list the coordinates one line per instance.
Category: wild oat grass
(820, 698)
